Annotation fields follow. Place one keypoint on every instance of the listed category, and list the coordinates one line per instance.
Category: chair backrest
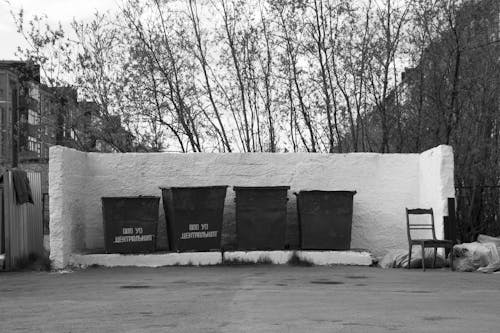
(420, 226)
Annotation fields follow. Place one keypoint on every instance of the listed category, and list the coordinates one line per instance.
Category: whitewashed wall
(68, 179)
(385, 185)
(437, 183)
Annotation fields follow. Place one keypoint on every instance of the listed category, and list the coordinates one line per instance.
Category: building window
(34, 92)
(3, 87)
(3, 112)
(3, 134)
(33, 117)
(34, 145)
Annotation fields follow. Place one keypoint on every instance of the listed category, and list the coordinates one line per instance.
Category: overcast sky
(57, 10)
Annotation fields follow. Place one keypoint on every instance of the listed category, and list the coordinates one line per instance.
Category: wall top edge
(367, 154)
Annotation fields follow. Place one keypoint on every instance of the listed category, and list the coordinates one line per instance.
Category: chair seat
(432, 242)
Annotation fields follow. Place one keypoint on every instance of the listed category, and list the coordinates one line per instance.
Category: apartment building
(33, 116)
(9, 99)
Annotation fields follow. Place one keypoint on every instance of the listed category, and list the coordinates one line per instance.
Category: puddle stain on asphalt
(385, 327)
(148, 313)
(356, 277)
(180, 281)
(326, 282)
(332, 321)
(413, 291)
(438, 318)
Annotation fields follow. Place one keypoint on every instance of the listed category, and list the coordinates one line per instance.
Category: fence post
(450, 223)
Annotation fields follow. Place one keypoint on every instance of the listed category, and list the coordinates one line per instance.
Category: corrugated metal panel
(10, 251)
(35, 215)
(7, 218)
(23, 226)
(2, 243)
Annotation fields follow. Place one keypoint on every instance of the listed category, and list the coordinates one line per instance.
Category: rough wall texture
(385, 185)
(437, 183)
(67, 179)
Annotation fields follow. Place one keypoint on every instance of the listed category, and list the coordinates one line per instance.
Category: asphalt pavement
(256, 298)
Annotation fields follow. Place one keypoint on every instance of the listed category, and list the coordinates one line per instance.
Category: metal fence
(21, 225)
(478, 210)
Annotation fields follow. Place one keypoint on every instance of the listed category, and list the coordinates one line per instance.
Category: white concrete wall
(437, 183)
(385, 185)
(67, 180)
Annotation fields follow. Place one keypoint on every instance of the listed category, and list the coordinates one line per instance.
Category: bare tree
(389, 24)
(288, 16)
(159, 45)
(201, 56)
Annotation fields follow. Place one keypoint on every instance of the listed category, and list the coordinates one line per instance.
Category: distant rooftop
(28, 71)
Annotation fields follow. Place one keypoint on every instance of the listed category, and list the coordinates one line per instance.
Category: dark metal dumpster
(194, 217)
(130, 223)
(325, 219)
(261, 217)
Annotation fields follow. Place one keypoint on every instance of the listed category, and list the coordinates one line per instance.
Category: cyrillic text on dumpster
(133, 235)
(199, 231)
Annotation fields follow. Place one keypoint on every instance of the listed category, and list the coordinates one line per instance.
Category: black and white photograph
(250, 166)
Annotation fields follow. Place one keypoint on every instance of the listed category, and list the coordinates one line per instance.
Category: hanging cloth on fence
(21, 186)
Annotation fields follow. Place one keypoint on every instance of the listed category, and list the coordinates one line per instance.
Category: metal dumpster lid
(192, 187)
(134, 197)
(236, 188)
(326, 191)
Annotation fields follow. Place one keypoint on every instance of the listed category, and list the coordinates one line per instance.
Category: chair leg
(409, 256)
(423, 257)
(434, 261)
(451, 259)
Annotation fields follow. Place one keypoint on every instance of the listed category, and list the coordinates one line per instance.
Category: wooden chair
(429, 242)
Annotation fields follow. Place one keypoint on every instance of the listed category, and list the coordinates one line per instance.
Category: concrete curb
(325, 258)
(147, 260)
(319, 258)
(255, 257)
